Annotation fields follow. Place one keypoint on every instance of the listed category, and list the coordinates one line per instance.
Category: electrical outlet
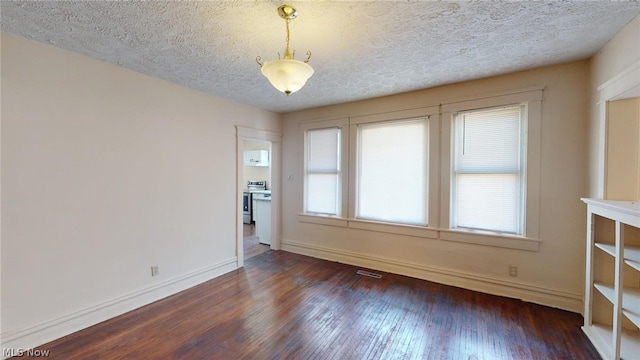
(155, 270)
(513, 270)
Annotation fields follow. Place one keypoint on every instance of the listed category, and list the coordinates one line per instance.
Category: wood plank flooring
(287, 306)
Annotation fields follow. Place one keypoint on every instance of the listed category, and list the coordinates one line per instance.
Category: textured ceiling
(360, 49)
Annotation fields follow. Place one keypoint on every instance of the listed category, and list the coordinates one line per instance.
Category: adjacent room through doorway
(256, 216)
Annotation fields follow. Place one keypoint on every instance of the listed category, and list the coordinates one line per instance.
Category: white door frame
(243, 133)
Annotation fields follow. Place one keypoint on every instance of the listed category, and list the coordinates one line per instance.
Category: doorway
(257, 180)
(256, 142)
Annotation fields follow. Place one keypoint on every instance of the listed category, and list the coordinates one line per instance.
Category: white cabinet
(263, 219)
(612, 292)
(256, 158)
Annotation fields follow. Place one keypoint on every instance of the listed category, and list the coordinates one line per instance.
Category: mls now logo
(19, 352)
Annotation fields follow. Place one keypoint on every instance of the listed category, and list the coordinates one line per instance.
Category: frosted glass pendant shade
(287, 75)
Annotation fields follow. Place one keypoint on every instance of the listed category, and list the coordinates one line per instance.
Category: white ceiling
(359, 49)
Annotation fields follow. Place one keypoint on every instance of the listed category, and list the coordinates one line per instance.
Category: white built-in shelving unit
(612, 292)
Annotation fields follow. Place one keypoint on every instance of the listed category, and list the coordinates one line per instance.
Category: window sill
(400, 229)
(410, 230)
(457, 235)
(490, 239)
(323, 220)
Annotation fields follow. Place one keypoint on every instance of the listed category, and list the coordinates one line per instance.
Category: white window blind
(322, 172)
(488, 179)
(392, 172)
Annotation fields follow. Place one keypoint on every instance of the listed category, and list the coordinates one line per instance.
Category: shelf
(601, 336)
(631, 300)
(631, 208)
(632, 256)
(614, 228)
(631, 253)
(633, 317)
(633, 264)
(629, 345)
(606, 290)
(608, 248)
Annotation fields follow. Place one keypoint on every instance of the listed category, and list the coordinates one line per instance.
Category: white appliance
(263, 217)
(247, 198)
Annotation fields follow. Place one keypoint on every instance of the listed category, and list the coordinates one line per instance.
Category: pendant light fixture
(286, 74)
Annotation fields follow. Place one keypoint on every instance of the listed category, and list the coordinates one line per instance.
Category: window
(392, 171)
(488, 180)
(322, 172)
(466, 171)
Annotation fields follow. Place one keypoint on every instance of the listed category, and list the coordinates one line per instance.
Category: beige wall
(554, 275)
(622, 171)
(106, 172)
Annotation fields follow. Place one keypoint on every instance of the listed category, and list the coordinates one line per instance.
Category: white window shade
(392, 172)
(487, 201)
(323, 150)
(322, 171)
(488, 140)
(488, 179)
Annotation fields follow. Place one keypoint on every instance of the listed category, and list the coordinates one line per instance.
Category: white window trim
(357, 128)
(431, 113)
(531, 234)
(349, 154)
(343, 125)
(440, 172)
(521, 173)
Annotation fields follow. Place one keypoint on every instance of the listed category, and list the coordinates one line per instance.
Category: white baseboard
(56, 328)
(527, 292)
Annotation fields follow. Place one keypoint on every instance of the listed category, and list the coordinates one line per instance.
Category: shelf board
(633, 317)
(608, 248)
(632, 256)
(631, 208)
(606, 290)
(631, 300)
(630, 296)
(602, 337)
(633, 264)
(631, 253)
(630, 344)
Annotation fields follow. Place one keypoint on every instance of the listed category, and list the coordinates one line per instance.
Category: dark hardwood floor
(287, 306)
